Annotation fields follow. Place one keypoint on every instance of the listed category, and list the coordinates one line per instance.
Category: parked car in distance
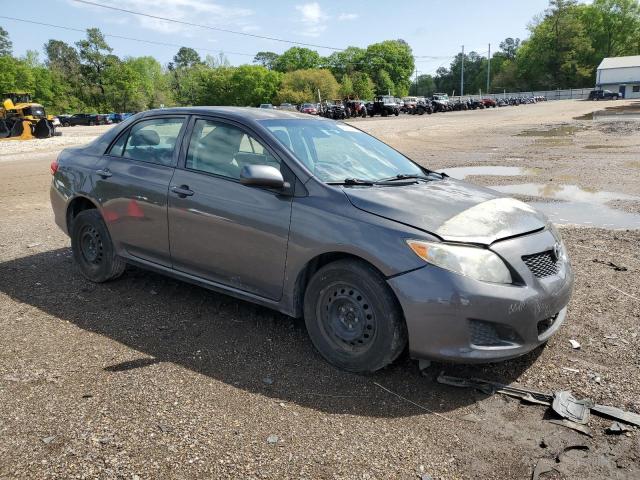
(288, 107)
(489, 102)
(316, 219)
(83, 119)
(266, 105)
(309, 108)
(383, 105)
(603, 95)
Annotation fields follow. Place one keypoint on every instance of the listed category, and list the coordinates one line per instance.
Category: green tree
(266, 59)
(5, 43)
(251, 85)
(95, 56)
(390, 64)
(347, 61)
(423, 86)
(613, 27)
(558, 54)
(346, 87)
(363, 86)
(509, 47)
(186, 58)
(302, 86)
(297, 58)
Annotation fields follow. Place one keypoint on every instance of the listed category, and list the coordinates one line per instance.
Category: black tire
(65, 124)
(353, 318)
(93, 249)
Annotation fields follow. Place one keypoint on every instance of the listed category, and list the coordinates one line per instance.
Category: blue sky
(435, 28)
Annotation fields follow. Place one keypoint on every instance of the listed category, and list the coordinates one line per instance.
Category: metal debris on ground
(617, 268)
(573, 426)
(562, 402)
(568, 448)
(490, 388)
(616, 428)
(567, 406)
(574, 344)
(618, 414)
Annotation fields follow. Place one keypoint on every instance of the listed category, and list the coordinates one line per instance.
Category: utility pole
(462, 74)
(489, 69)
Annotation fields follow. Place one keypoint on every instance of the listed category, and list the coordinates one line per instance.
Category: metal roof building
(620, 74)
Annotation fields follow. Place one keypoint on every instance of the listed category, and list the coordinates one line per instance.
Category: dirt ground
(147, 377)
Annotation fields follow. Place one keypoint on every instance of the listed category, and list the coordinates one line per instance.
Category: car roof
(244, 113)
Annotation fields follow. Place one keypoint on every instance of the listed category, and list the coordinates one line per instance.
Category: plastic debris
(573, 426)
(616, 428)
(567, 406)
(618, 414)
(574, 344)
(490, 388)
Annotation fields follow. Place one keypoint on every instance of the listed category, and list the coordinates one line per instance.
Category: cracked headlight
(478, 263)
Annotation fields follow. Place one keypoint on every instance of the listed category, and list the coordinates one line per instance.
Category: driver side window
(223, 149)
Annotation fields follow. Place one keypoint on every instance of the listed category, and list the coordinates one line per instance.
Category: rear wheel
(93, 249)
(353, 318)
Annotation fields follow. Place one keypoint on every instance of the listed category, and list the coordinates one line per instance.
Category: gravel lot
(147, 377)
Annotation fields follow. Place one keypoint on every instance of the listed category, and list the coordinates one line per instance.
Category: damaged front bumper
(455, 318)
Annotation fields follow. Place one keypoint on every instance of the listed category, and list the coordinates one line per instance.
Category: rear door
(219, 229)
(132, 181)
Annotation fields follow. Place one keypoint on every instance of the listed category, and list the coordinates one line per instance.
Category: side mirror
(262, 176)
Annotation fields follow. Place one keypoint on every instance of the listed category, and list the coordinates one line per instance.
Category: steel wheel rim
(91, 245)
(348, 321)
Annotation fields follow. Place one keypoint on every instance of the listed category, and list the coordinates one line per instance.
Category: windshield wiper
(353, 181)
(404, 176)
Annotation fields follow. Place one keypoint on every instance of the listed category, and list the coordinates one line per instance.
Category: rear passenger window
(151, 141)
(223, 149)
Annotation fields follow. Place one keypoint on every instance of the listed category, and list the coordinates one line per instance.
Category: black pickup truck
(603, 95)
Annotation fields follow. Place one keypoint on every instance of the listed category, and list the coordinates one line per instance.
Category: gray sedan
(316, 219)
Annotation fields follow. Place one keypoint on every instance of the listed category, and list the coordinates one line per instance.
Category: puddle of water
(620, 112)
(596, 147)
(461, 173)
(568, 193)
(560, 131)
(579, 206)
(588, 214)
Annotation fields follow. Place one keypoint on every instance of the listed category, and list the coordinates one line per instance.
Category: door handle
(104, 173)
(182, 191)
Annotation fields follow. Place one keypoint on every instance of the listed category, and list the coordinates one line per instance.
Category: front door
(622, 90)
(219, 229)
(131, 183)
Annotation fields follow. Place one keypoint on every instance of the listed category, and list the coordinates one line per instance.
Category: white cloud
(194, 11)
(313, 19)
(347, 16)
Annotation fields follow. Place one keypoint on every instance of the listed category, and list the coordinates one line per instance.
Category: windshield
(334, 151)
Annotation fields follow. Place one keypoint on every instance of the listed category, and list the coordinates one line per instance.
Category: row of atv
(383, 105)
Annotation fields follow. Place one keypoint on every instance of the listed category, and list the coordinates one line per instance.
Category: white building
(620, 74)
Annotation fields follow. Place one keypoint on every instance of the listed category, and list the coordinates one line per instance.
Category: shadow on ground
(232, 341)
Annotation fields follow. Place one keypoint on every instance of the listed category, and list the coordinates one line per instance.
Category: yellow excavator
(22, 119)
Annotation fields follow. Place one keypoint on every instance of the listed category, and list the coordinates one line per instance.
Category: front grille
(543, 264)
(546, 324)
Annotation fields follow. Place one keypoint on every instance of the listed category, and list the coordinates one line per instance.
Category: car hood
(453, 210)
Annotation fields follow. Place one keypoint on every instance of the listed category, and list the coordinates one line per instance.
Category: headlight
(473, 262)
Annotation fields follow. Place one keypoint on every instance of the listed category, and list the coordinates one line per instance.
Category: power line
(153, 42)
(226, 30)
(208, 27)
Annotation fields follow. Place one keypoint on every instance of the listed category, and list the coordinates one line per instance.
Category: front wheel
(93, 249)
(353, 318)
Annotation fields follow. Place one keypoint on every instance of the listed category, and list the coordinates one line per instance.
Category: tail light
(54, 167)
